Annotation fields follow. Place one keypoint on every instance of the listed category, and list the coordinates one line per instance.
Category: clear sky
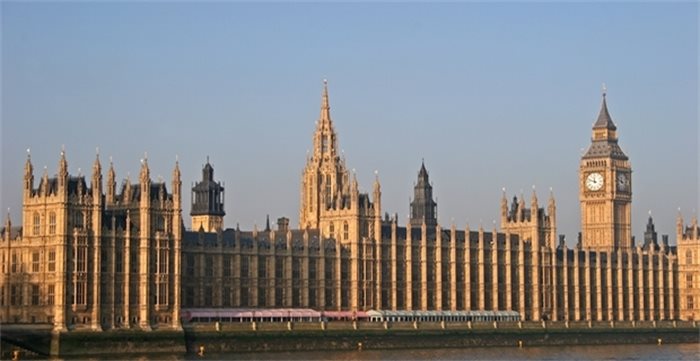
(490, 95)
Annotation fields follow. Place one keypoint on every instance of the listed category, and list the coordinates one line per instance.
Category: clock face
(594, 181)
(623, 182)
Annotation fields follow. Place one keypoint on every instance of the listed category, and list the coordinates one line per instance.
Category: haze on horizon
(489, 95)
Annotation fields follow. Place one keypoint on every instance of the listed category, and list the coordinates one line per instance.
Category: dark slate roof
(14, 232)
(193, 238)
(605, 148)
(604, 119)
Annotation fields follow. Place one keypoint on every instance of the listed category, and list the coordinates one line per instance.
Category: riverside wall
(309, 336)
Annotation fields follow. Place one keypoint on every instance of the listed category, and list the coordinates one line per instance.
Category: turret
(504, 207)
(111, 183)
(145, 183)
(28, 175)
(63, 174)
(96, 184)
(377, 194)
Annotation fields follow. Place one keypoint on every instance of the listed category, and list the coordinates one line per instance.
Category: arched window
(52, 223)
(36, 223)
(346, 231)
(689, 257)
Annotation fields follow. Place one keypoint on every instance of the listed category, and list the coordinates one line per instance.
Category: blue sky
(490, 95)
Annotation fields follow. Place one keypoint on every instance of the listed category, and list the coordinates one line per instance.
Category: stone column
(565, 278)
(554, 292)
(438, 269)
(662, 286)
(521, 277)
(671, 287)
(481, 266)
(453, 268)
(509, 273)
(609, 289)
(394, 263)
(409, 267)
(640, 284)
(620, 287)
(338, 281)
(587, 279)
(577, 284)
(467, 269)
(599, 285)
(494, 271)
(651, 290)
(424, 267)
(126, 252)
(630, 285)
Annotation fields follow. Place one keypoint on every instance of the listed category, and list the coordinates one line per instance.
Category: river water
(606, 352)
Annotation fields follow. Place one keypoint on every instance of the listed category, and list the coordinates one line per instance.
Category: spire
(145, 173)
(28, 172)
(422, 173)
(208, 172)
(267, 223)
(604, 120)
(679, 224)
(63, 164)
(377, 186)
(176, 170)
(504, 205)
(551, 202)
(96, 166)
(325, 105)
(533, 200)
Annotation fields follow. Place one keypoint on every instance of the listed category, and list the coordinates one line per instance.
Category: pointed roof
(422, 173)
(604, 120)
(325, 116)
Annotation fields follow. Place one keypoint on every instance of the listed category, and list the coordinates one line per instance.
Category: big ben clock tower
(605, 181)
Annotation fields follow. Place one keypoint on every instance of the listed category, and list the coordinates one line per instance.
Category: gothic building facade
(93, 257)
(97, 258)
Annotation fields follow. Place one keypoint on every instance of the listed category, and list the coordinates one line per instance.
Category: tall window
(118, 262)
(346, 231)
(163, 293)
(331, 230)
(163, 257)
(209, 266)
(52, 261)
(50, 295)
(4, 262)
(16, 295)
(79, 293)
(78, 220)
(15, 263)
(35, 262)
(52, 223)
(80, 253)
(189, 271)
(245, 266)
(689, 257)
(2, 295)
(36, 224)
(35, 295)
(690, 304)
(227, 266)
(689, 280)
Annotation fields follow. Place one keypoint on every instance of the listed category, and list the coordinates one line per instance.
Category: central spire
(324, 136)
(325, 106)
